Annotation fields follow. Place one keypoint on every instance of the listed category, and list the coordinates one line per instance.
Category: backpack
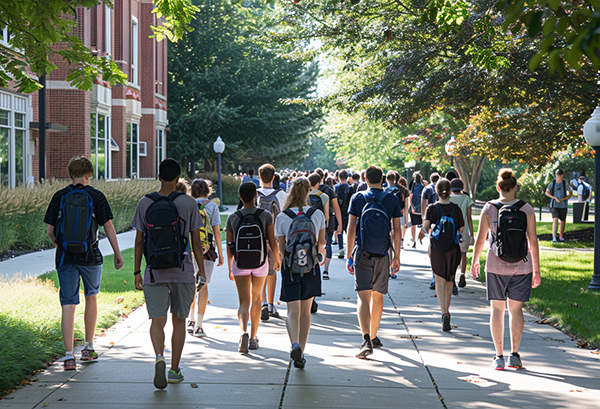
(206, 232)
(301, 256)
(314, 201)
(434, 197)
(344, 196)
(164, 242)
(553, 188)
(77, 227)
(445, 236)
(510, 242)
(374, 226)
(417, 190)
(395, 190)
(270, 203)
(250, 241)
(585, 192)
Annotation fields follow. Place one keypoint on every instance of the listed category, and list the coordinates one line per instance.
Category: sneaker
(414, 246)
(70, 364)
(514, 361)
(89, 355)
(498, 363)
(393, 276)
(562, 239)
(301, 363)
(325, 275)
(253, 344)
(462, 281)
(341, 254)
(198, 332)
(446, 322)
(160, 381)
(297, 356)
(264, 313)
(376, 343)
(454, 288)
(314, 307)
(432, 285)
(243, 347)
(191, 325)
(366, 349)
(273, 311)
(175, 376)
(554, 240)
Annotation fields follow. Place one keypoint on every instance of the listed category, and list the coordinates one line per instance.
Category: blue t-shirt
(560, 191)
(388, 200)
(429, 194)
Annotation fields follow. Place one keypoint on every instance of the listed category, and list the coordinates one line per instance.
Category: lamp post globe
(591, 132)
(219, 148)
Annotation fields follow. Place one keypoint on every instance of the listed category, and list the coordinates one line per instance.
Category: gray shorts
(271, 262)
(371, 273)
(178, 296)
(516, 287)
(559, 213)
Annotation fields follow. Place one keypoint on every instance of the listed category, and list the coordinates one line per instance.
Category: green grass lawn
(30, 318)
(563, 295)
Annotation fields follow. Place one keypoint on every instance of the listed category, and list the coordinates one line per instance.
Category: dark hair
(417, 177)
(391, 175)
(343, 174)
(330, 181)
(251, 172)
(169, 170)
(434, 177)
(451, 175)
(79, 167)
(442, 188)
(266, 173)
(559, 171)
(506, 179)
(276, 181)
(314, 179)
(374, 174)
(397, 176)
(355, 176)
(182, 186)
(200, 188)
(402, 182)
(319, 171)
(247, 191)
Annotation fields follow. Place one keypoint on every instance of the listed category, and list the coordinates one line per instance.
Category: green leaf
(554, 60)
(535, 61)
(535, 26)
(549, 25)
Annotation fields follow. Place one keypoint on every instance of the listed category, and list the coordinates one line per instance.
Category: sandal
(70, 364)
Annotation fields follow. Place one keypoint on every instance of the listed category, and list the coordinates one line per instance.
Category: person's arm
(406, 216)
(338, 213)
(51, 235)
(351, 240)
(321, 243)
(199, 255)
(550, 195)
(484, 226)
(397, 244)
(534, 249)
(281, 240)
(569, 195)
(229, 236)
(218, 243)
(111, 235)
(137, 259)
(424, 203)
(273, 243)
(326, 211)
(470, 222)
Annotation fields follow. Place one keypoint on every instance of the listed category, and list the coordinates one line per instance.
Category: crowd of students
(286, 223)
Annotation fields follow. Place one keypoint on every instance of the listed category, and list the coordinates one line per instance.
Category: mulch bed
(577, 235)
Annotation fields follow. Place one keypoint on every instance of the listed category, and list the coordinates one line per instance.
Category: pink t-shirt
(493, 263)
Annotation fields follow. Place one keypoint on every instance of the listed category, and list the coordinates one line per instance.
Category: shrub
(533, 189)
(229, 184)
(488, 194)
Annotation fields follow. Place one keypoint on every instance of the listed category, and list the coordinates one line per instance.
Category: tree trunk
(469, 169)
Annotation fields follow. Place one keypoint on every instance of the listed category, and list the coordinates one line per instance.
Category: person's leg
(517, 323)
(67, 325)
(192, 315)
(562, 228)
(554, 226)
(304, 327)
(363, 309)
(463, 263)
(413, 231)
(242, 284)
(90, 316)
(340, 238)
(177, 341)
(202, 302)
(376, 312)
(258, 283)
(292, 322)
(497, 324)
(271, 285)
(328, 250)
(449, 286)
(440, 291)
(157, 334)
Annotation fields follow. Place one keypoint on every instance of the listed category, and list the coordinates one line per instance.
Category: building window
(13, 140)
(132, 151)
(100, 145)
(160, 148)
(4, 147)
(20, 143)
(107, 30)
(134, 52)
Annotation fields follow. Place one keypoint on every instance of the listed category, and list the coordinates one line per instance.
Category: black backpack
(585, 192)
(510, 243)
(250, 241)
(344, 196)
(445, 236)
(77, 228)
(314, 200)
(165, 241)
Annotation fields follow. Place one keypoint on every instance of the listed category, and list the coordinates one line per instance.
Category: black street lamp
(591, 132)
(219, 148)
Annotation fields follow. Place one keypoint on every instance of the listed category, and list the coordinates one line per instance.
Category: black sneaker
(314, 307)
(432, 285)
(190, 327)
(264, 313)
(325, 275)
(297, 356)
(376, 343)
(446, 322)
(366, 349)
(454, 288)
(462, 281)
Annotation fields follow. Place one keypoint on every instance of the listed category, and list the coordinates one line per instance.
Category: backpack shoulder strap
(564, 187)
(497, 204)
(258, 212)
(310, 212)
(154, 196)
(290, 213)
(260, 193)
(553, 186)
(319, 193)
(519, 204)
(175, 194)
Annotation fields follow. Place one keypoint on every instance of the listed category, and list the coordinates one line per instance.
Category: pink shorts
(262, 271)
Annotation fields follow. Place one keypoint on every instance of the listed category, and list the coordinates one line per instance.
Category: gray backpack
(270, 203)
(301, 254)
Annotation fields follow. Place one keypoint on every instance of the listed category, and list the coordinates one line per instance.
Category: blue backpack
(374, 226)
(77, 228)
(417, 191)
(445, 236)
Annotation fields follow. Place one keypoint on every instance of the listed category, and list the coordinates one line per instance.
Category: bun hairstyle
(506, 180)
(443, 188)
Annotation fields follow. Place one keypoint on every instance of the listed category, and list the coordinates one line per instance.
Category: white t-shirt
(283, 222)
(580, 190)
(281, 195)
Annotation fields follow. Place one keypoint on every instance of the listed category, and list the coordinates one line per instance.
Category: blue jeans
(70, 276)
(328, 250)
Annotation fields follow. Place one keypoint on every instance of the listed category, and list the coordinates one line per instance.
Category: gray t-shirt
(559, 192)
(232, 221)
(188, 212)
(212, 211)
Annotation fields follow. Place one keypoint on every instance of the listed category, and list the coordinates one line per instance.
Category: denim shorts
(69, 276)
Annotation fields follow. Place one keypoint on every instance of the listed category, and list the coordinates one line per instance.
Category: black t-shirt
(432, 215)
(102, 214)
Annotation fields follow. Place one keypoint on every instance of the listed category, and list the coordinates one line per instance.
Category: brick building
(121, 128)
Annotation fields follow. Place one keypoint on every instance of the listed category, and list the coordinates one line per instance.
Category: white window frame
(4, 39)
(133, 151)
(142, 149)
(107, 30)
(107, 147)
(135, 49)
(10, 103)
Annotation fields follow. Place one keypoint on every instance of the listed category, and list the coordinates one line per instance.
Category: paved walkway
(419, 365)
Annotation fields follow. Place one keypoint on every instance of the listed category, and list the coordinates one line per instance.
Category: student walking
(73, 217)
(559, 192)
(465, 203)
(301, 233)
(372, 213)
(249, 232)
(343, 192)
(446, 223)
(321, 201)
(210, 239)
(415, 205)
(164, 220)
(512, 266)
(331, 222)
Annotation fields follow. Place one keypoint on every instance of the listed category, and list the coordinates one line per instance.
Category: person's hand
(472, 242)
(350, 265)
(406, 225)
(221, 261)
(139, 282)
(395, 265)
(339, 229)
(475, 269)
(536, 280)
(277, 265)
(118, 261)
(421, 235)
(231, 275)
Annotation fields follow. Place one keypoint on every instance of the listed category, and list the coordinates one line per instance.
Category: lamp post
(219, 148)
(591, 132)
(448, 148)
(409, 166)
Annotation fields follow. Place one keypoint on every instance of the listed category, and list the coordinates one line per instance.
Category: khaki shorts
(177, 296)
(466, 242)
(371, 273)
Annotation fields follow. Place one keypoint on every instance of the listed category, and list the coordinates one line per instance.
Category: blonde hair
(506, 179)
(298, 195)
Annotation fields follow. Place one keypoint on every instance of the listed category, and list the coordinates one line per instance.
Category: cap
(456, 185)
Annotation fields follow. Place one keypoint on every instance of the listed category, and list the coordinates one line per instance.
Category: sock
(515, 354)
(88, 345)
(199, 319)
(263, 304)
(499, 356)
(295, 344)
(158, 356)
(69, 354)
(271, 307)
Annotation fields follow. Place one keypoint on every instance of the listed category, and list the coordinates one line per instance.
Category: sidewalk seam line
(412, 339)
(287, 377)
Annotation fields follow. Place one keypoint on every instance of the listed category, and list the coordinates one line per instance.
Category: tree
(42, 30)
(224, 80)
(533, 188)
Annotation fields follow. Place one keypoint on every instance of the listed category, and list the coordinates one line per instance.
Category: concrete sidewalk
(419, 365)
